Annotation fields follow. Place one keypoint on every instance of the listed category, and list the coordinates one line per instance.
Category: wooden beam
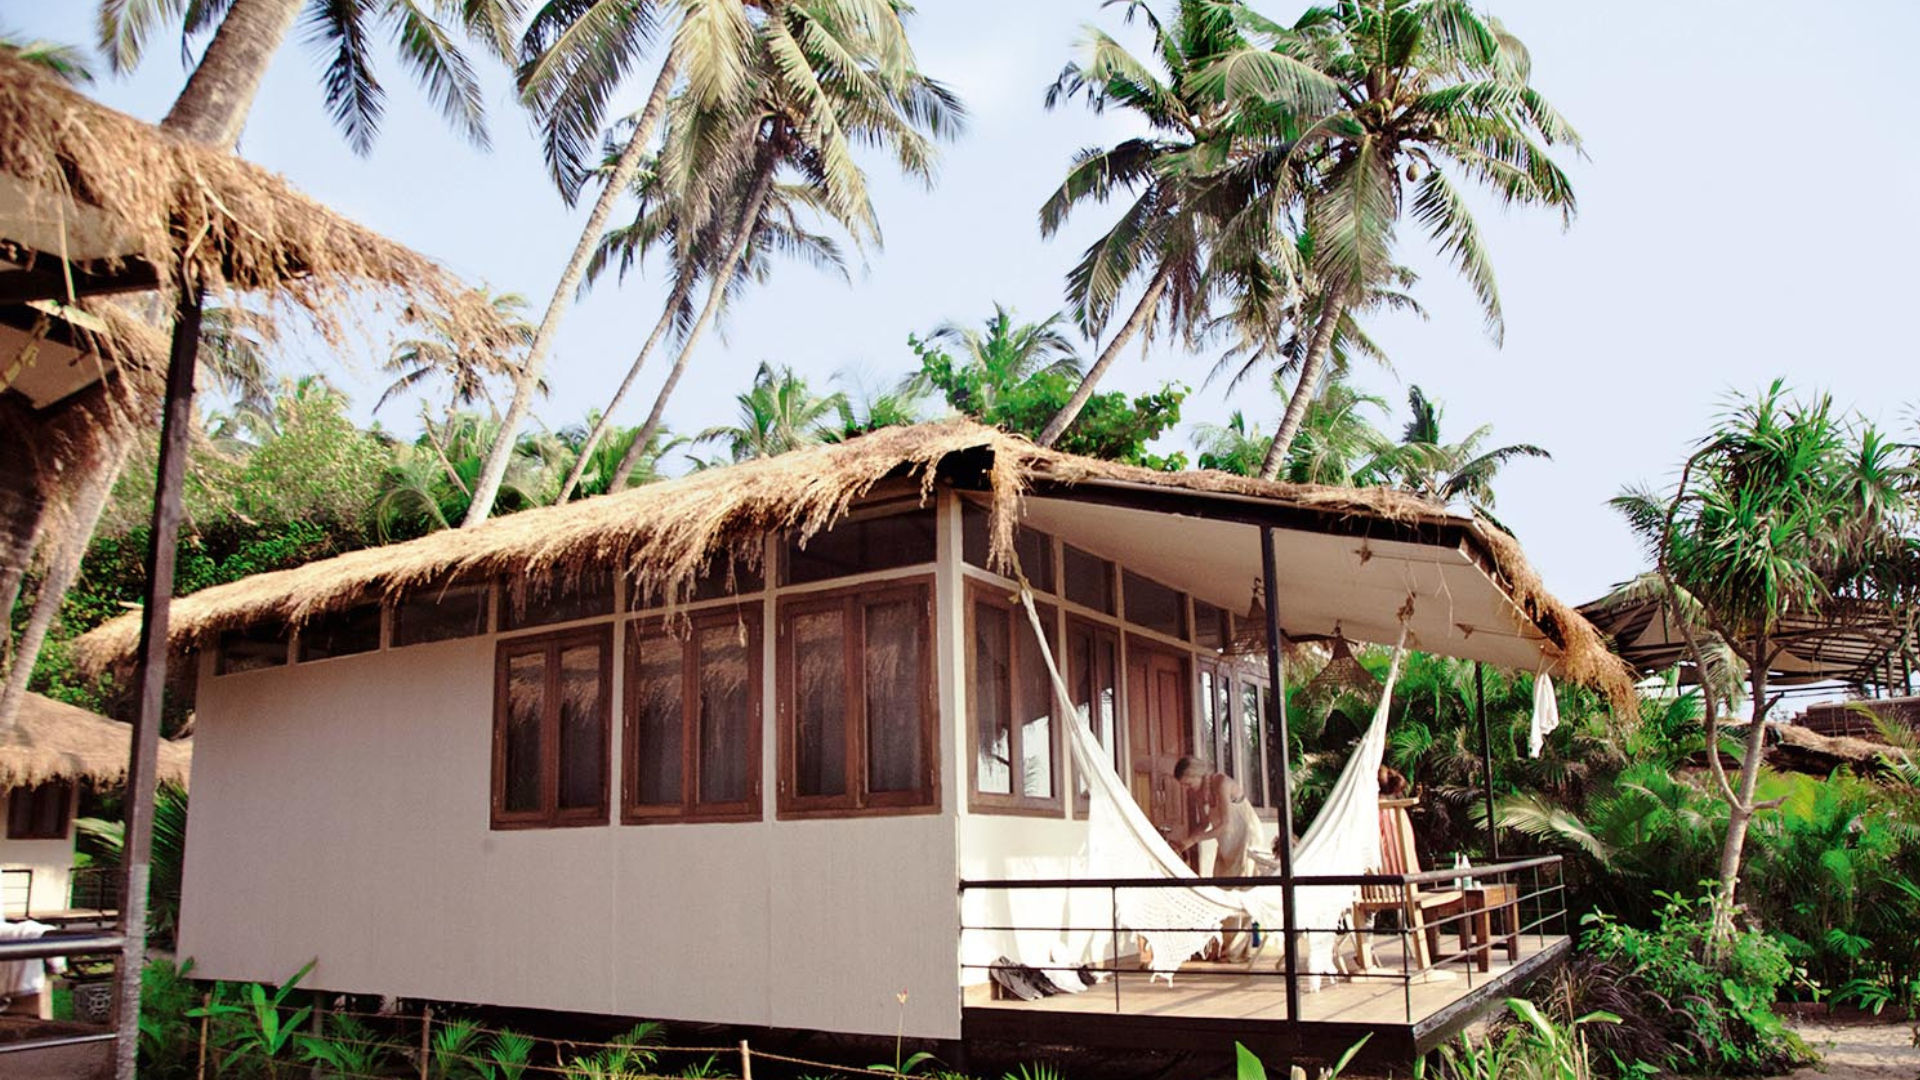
(143, 755)
(42, 279)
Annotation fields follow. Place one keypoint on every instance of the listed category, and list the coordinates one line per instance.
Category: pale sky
(1747, 211)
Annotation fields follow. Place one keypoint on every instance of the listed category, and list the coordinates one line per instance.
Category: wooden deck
(1211, 1006)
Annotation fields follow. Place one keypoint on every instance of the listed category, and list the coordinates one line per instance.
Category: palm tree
(867, 410)
(442, 353)
(1337, 444)
(1172, 175)
(1426, 88)
(1447, 472)
(663, 221)
(593, 468)
(247, 33)
(66, 62)
(819, 85)
(780, 413)
(998, 356)
(1784, 509)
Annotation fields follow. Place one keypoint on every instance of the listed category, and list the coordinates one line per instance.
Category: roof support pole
(1486, 758)
(1276, 677)
(142, 758)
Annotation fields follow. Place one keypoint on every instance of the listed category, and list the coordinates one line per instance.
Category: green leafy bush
(1729, 1005)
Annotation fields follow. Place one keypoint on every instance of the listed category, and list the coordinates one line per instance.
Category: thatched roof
(53, 740)
(83, 181)
(666, 533)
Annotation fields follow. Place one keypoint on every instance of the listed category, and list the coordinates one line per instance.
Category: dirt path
(1861, 1051)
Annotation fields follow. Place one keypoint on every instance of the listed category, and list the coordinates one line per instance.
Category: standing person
(1236, 825)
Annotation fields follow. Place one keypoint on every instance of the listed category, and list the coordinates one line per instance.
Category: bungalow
(773, 745)
(51, 749)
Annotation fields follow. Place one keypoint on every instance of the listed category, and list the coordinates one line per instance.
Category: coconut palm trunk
(1317, 348)
(1142, 312)
(527, 378)
(716, 294)
(213, 106)
(600, 426)
(88, 504)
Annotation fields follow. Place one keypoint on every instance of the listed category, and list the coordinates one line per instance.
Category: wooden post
(746, 1061)
(1276, 676)
(1486, 759)
(206, 1002)
(426, 1040)
(175, 430)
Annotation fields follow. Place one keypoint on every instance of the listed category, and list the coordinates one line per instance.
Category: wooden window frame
(691, 809)
(1014, 802)
(1110, 632)
(551, 815)
(857, 801)
(69, 791)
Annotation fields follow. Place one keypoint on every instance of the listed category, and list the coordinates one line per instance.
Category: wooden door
(1160, 729)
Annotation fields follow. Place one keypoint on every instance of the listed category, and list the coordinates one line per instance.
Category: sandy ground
(1861, 1050)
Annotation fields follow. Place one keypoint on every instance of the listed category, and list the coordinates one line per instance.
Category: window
(1089, 580)
(862, 545)
(692, 736)
(1154, 606)
(252, 647)
(1253, 727)
(1015, 740)
(1032, 547)
(1217, 739)
(856, 701)
(341, 633)
(455, 611)
(1210, 627)
(550, 729)
(561, 598)
(721, 577)
(1093, 674)
(40, 813)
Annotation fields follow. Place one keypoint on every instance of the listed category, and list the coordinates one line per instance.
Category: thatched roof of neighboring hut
(83, 181)
(52, 740)
(665, 534)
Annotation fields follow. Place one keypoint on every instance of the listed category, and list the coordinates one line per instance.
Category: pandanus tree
(1788, 508)
(1430, 93)
(819, 77)
(1200, 109)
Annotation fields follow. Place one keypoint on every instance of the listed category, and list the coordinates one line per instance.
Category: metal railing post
(1113, 911)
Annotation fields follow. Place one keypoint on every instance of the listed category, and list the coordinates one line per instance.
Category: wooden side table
(1482, 901)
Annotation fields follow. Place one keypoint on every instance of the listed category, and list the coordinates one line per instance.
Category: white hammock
(1177, 923)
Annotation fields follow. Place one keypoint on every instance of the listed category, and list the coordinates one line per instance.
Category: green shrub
(1728, 1004)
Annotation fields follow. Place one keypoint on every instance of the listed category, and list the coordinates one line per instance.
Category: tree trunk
(1142, 312)
(1741, 808)
(1317, 348)
(23, 504)
(606, 418)
(213, 107)
(716, 293)
(487, 487)
(62, 569)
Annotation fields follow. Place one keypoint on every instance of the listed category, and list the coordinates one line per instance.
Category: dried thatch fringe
(665, 534)
(200, 215)
(52, 740)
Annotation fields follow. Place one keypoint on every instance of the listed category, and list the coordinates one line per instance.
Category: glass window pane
(1225, 733)
(975, 533)
(1208, 719)
(659, 729)
(526, 701)
(440, 614)
(1154, 606)
(253, 647)
(722, 576)
(1089, 580)
(992, 729)
(726, 712)
(820, 703)
(1276, 751)
(1107, 671)
(583, 743)
(895, 649)
(1256, 780)
(1033, 547)
(341, 633)
(1036, 708)
(1209, 626)
(855, 547)
(563, 598)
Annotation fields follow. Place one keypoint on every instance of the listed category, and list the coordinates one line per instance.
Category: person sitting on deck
(1233, 822)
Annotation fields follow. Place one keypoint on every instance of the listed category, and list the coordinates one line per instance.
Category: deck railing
(1511, 907)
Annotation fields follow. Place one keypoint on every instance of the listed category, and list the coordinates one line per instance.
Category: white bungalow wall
(52, 864)
(341, 812)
